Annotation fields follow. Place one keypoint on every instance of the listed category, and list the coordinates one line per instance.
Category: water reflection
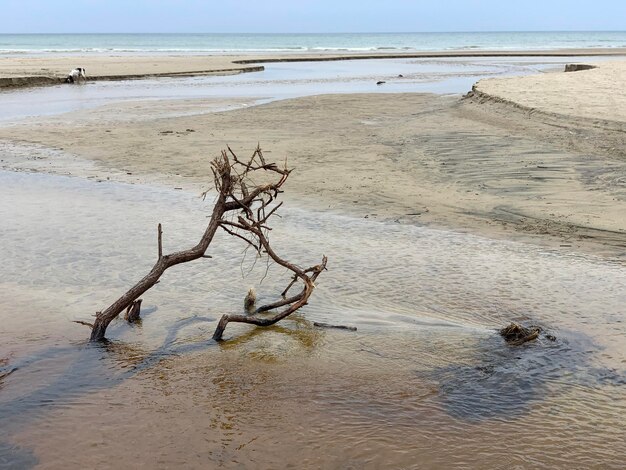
(502, 381)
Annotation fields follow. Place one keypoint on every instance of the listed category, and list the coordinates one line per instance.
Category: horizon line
(333, 32)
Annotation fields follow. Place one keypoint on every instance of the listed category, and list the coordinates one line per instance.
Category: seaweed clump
(515, 334)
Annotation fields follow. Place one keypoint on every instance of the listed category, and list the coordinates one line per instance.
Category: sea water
(11, 44)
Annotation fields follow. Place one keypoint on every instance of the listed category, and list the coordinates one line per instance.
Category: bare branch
(302, 300)
(160, 241)
(235, 234)
(293, 281)
(338, 327)
(231, 177)
(280, 303)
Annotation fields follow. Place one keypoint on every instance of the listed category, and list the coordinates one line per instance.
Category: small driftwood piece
(250, 301)
(246, 199)
(291, 304)
(7, 372)
(515, 334)
(338, 327)
(134, 309)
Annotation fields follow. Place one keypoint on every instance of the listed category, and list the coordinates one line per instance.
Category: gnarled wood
(300, 300)
(516, 335)
(337, 327)
(255, 204)
(134, 310)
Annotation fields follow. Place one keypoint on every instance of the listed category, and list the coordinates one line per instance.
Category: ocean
(11, 44)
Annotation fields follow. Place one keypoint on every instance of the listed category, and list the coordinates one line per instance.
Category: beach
(444, 215)
(513, 159)
(41, 70)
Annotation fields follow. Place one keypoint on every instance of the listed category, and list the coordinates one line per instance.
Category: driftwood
(515, 334)
(242, 209)
(578, 67)
(5, 371)
(250, 301)
(338, 327)
(134, 309)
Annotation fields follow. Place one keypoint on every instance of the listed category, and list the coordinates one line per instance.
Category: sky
(308, 16)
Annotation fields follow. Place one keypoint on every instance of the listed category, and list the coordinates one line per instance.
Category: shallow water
(424, 382)
(277, 81)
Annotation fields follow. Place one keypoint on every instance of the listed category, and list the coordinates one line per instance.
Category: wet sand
(425, 382)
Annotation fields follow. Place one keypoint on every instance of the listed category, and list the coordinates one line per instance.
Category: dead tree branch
(160, 240)
(253, 204)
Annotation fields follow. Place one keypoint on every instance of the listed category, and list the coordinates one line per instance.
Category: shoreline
(22, 82)
(25, 71)
(589, 52)
(483, 98)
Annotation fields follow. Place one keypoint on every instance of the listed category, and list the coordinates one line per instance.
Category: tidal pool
(424, 382)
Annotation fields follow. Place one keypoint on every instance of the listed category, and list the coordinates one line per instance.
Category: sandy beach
(596, 96)
(32, 71)
(534, 155)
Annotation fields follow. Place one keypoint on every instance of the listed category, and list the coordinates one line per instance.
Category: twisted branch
(232, 179)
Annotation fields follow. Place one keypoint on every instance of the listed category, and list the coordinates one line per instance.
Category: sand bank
(43, 70)
(599, 52)
(597, 94)
(25, 71)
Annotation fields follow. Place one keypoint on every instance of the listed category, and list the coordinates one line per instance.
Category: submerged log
(133, 311)
(338, 327)
(578, 67)
(250, 301)
(515, 334)
(5, 370)
(306, 276)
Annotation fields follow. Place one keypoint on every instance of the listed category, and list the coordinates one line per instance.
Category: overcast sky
(284, 16)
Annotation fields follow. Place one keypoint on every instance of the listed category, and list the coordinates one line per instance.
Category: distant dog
(77, 75)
